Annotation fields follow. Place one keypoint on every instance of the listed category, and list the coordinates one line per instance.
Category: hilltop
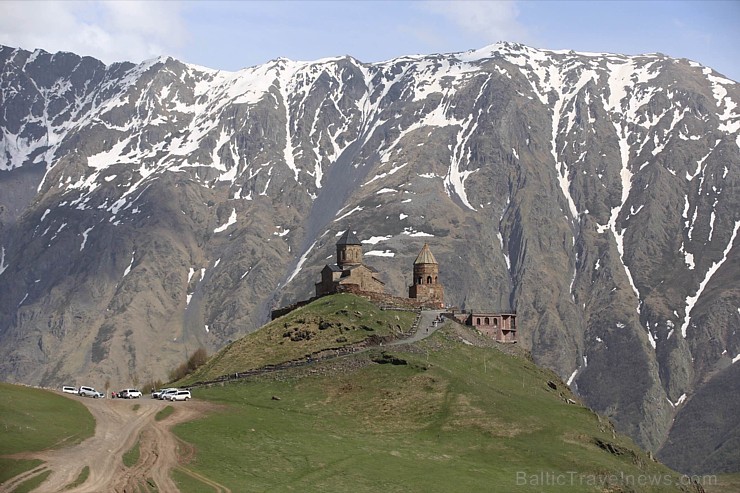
(451, 412)
(330, 324)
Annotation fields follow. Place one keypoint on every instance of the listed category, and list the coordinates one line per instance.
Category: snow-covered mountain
(146, 210)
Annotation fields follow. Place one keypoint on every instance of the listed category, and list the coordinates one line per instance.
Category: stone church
(349, 273)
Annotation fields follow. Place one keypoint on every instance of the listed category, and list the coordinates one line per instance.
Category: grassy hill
(328, 323)
(450, 413)
(724, 484)
(34, 419)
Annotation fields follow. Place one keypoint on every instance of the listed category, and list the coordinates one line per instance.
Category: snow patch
(356, 209)
(411, 232)
(380, 253)
(84, 238)
(128, 269)
(651, 338)
(232, 220)
(301, 261)
(373, 240)
(3, 265)
(691, 300)
(572, 376)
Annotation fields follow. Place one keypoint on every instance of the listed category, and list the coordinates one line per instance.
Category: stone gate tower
(426, 286)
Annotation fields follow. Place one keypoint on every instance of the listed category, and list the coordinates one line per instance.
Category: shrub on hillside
(151, 385)
(196, 360)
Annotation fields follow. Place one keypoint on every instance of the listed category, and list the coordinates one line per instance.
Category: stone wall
(383, 299)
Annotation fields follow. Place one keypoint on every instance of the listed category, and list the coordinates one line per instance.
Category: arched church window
(487, 321)
(429, 279)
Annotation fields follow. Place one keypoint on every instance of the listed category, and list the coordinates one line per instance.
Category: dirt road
(119, 425)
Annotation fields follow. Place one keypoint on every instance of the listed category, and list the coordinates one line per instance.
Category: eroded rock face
(147, 210)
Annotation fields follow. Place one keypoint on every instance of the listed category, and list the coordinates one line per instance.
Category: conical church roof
(425, 256)
(348, 238)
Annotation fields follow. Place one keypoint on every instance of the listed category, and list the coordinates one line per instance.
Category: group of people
(438, 320)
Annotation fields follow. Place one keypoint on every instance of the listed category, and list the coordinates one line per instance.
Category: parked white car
(163, 395)
(89, 392)
(180, 395)
(69, 390)
(130, 394)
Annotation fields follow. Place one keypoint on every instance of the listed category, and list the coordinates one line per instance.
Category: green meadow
(444, 416)
(328, 323)
(452, 412)
(34, 419)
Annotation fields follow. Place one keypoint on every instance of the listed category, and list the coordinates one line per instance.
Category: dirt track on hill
(118, 427)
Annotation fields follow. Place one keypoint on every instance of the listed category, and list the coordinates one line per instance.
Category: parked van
(69, 390)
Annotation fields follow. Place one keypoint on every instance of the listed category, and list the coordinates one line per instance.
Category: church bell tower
(426, 286)
(349, 250)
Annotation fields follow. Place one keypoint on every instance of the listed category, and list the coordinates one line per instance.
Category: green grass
(187, 483)
(10, 468)
(33, 419)
(720, 483)
(33, 483)
(81, 478)
(329, 322)
(164, 413)
(454, 418)
(131, 457)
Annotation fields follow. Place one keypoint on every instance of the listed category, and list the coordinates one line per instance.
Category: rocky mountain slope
(146, 210)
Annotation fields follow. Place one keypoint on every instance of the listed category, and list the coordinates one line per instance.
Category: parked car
(99, 395)
(88, 392)
(156, 394)
(69, 390)
(130, 394)
(180, 395)
(167, 392)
